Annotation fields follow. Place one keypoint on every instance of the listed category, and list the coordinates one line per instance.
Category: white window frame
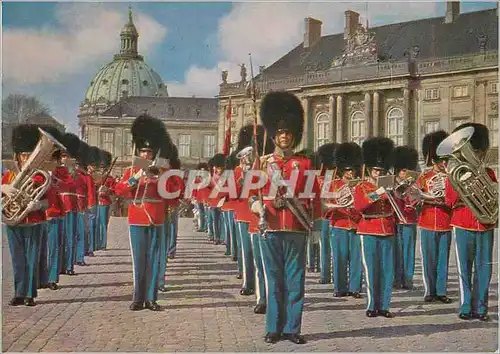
(323, 129)
(493, 128)
(234, 110)
(395, 119)
(431, 94)
(455, 122)
(107, 140)
(460, 91)
(184, 145)
(127, 142)
(494, 88)
(208, 145)
(358, 118)
(431, 126)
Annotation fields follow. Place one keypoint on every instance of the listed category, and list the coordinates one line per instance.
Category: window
(358, 127)
(184, 145)
(234, 141)
(208, 146)
(322, 129)
(431, 126)
(493, 131)
(460, 91)
(233, 124)
(494, 87)
(431, 94)
(107, 141)
(234, 110)
(457, 122)
(248, 109)
(129, 146)
(395, 125)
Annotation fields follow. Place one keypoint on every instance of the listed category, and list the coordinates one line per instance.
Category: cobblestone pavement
(203, 310)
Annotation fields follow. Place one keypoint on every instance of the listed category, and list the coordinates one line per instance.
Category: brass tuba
(468, 176)
(16, 207)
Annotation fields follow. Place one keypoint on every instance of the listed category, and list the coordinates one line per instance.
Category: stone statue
(224, 76)
(243, 73)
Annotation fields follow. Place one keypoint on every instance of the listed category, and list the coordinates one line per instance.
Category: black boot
(294, 337)
(53, 286)
(260, 309)
(15, 301)
(152, 305)
(246, 292)
(29, 301)
(272, 338)
(163, 289)
(444, 299)
(136, 306)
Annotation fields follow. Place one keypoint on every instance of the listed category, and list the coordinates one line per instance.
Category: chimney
(312, 31)
(452, 11)
(351, 23)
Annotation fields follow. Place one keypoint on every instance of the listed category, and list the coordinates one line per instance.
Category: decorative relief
(357, 106)
(360, 48)
(494, 106)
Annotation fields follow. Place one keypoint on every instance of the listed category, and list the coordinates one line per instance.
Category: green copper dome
(127, 75)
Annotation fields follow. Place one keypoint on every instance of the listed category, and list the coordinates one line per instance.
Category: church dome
(127, 75)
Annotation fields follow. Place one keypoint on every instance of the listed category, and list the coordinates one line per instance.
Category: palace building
(402, 80)
(126, 88)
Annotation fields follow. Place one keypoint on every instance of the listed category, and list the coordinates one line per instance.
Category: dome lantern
(129, 38)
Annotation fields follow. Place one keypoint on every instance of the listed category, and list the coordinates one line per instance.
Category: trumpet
(407, 186)
(388, 183)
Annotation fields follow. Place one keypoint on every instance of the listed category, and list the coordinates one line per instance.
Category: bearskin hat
(348, 155)
(377, 152)
(93, 156)
(72, 144)
(430, 143)
(219, 160)
(105, 158)
(149, 132)
(175, 163)
(83, 154)
(245, 138)
(405, 157)
(326, 155)
(231, 161)
(282, 110)
(202, 166)
(25, 138)
(480, 140)
(56, 134)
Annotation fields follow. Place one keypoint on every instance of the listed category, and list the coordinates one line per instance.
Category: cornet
(245, 157)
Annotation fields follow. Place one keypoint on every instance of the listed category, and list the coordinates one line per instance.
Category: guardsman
(176, 183)
(146, 212)
(325, 156)
(82, 234)
(376, 227)
(218, 163)
(284, 245)
(24, 237)
(228, 214)
(92, 165)
(434, 221)
(473, 239)
(344, 218)
(200, 198)
(208, 206)
(405, 159)
(105, 192)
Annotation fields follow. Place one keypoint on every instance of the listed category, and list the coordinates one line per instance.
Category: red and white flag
(227, 140)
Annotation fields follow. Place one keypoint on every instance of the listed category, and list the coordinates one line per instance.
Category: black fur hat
(282, 110)
(149, 133)
(326, 155)
(377, 152)
(83, 154)
(72, 144)
(175, 163)
(202, 165)
(480, 140)
(245, 138)
(231, 161)
(430, 143)
(105, 158)
(348, 155)
(219, 160)
(25, 138)
(93, 156)
(405, 157)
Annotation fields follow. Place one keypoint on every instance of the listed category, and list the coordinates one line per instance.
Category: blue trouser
(201, 217)
(226, 236)
(283, 255)
(92, 228)
(145, 247)
(435, 254)
(325, 250)
(474, 248)
(53, 261)
(215, 226)
(346, 254)
(80, 237)
(102, 226)
(164, 239)
(238, 241)
(404, 254)
(43, 268)
(172, 234)
(313, 261)
(232, 232)
(378, 262)
(247, 257)
(260, 281)
(210, 224)
(24, 251)
(61, 265)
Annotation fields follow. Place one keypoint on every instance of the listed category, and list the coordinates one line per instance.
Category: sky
(53, 50)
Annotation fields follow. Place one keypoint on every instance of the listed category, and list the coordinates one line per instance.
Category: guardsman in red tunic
(227, 213)
(344, 218)
(146, 212)
(217, 164)
(104, 194)
(376, 227)
(23, 237)
(405, 158)
(92, 165)
(284, 246)
(473, 239)
(175, 183)
(434, 221)
(199, 197)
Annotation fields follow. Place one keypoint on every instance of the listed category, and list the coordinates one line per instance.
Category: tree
(16, 108)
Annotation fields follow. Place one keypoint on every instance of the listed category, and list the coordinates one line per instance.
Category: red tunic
(435, 215)
(104, 196)
(34, 217)
(376, 217)
(91, 191)
(214, 198)
(242, 212)
(462, 216)
(408, 210)
(343, 218)
(66, 188)
(55, 208)
(81, 190)
(152, 211)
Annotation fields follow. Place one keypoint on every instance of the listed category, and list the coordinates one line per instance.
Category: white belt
(74, 194)
(375, 216)
(145, 200)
